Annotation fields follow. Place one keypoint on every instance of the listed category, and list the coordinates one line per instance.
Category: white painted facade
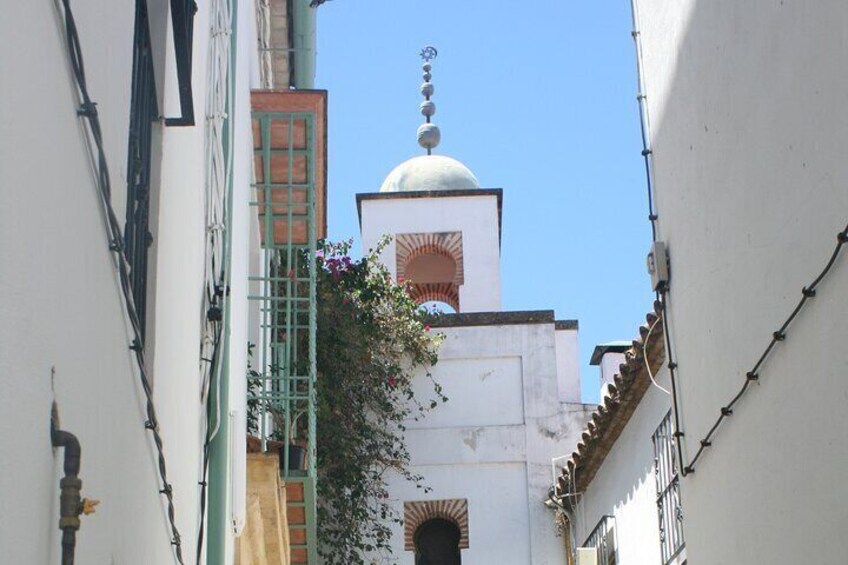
(493, 441)
(568, 370)
(512, 379)
(63, 330)
(747, 104)
(625, 485)
(475, 216)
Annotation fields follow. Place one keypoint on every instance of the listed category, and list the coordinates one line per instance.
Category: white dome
(430, 172)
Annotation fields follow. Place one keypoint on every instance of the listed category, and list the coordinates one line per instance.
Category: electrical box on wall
(658, 266)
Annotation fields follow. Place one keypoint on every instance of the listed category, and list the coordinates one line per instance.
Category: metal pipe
(219, 445)
(70, 501)
(304, 18)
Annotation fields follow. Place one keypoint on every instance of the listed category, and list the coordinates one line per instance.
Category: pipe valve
(89, 506)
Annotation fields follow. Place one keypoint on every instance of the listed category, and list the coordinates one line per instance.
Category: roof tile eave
(612, 415)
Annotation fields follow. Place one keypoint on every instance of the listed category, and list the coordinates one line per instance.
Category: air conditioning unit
(587, 556)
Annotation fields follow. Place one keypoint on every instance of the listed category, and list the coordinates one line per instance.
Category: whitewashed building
(619, 492)
(744, 110)
(748, 124)
(126, 166)
(512, 378)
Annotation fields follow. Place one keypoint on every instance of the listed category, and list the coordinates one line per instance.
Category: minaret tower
(445, 228)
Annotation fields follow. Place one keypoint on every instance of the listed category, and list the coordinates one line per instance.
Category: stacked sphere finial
(428, 133)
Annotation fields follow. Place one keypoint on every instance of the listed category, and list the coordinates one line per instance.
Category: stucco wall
(608, 369)
(475, 216)
(493, 441)
(62, 307)
(625, 487)
(568, 365)
(748, 101)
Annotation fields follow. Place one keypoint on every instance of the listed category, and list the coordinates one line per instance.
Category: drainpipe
(69, 499)
(219, 449)
(71, 504)
(303, 43)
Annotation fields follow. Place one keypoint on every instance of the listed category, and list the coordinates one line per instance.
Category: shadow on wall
(747, 104)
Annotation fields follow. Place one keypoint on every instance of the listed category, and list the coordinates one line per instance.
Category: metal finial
(429, 53)
(428, 134)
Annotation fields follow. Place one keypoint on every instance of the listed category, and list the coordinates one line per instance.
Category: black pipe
(70, 501)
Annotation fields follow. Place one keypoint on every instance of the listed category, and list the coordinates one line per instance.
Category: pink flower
(400, 280)
(426, 328)
(391, 382)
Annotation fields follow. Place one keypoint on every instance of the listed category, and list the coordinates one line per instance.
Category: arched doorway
(437, 543)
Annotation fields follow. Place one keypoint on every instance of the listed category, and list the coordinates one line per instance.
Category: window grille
(143, 112)
(602, 538)
(182, 24)
(669, 511)
(285, 145)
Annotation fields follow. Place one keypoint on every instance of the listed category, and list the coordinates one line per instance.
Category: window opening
(182, 23)
(669, 511)
(143, 113)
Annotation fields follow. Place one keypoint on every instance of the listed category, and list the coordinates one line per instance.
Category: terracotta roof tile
(616, 408)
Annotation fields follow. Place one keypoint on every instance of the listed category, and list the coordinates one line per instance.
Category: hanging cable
(780, 335)
(753, 375)
(647, 362)
(88, 111)
(216, 276)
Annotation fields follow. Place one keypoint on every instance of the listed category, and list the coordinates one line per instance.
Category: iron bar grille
(284, 197)
(182, 22)
(602, 538)
(143, 113)
(669, 511)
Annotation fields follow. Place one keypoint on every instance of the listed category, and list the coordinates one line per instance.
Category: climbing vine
(372, 339)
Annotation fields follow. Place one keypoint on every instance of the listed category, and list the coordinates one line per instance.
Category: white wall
(475, 216)
(493, 441)
(245, 243)
(625, 487)
(62, 307)
(748, 102)
(568, 365)
(609, 368)
(177, 258)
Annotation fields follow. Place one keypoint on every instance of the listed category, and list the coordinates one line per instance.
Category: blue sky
(537, 98)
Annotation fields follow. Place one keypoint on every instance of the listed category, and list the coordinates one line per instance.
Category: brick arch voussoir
(417, 513)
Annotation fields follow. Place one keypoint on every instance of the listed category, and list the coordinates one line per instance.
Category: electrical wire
(648, 363)
(807, 292)
(778, 336)
(88, 111)
(647, 155)
(216, 270)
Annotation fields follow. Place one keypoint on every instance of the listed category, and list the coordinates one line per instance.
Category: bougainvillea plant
(372, 339)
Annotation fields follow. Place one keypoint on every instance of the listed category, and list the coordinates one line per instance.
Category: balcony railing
(602, 538)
